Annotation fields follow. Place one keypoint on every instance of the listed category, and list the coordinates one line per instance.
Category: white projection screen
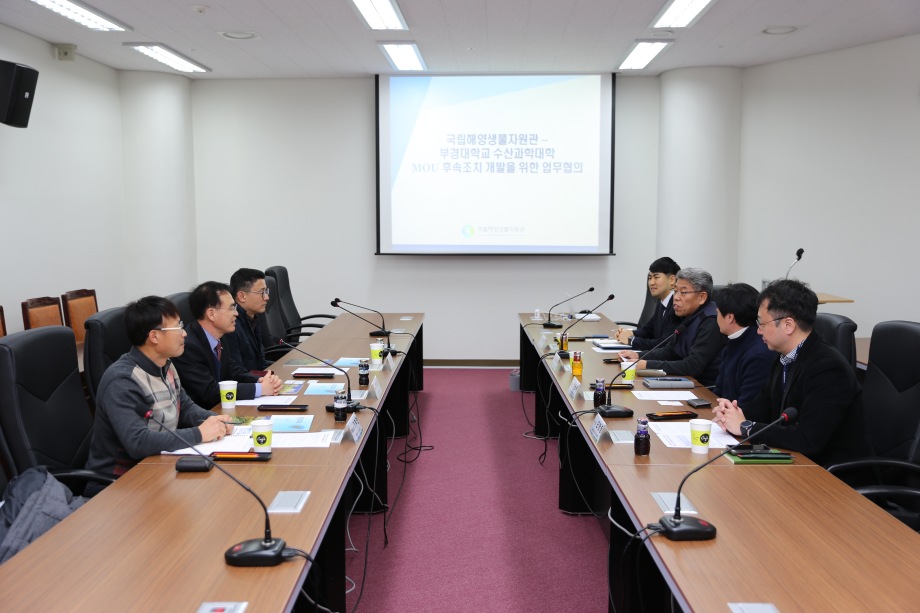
(495, 164)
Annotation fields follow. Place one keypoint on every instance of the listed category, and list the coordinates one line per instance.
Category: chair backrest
(106, 341)
(2, 323)
(180, 299)
(283, 296)
(839, 331)
(891, 390)
(648, 309)
(44, 311)
(78, 305)
(274, 322)
(44, 417)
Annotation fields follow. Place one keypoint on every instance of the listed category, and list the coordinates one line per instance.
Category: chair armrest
(318, 316)
(626, 323)
(888, 491)
(873, 463)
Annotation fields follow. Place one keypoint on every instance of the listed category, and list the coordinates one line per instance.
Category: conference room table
(791, 535)
(155, 539)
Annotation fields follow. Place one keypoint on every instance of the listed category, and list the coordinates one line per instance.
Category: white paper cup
(262, 435)
(377, 353)
(228, 394)
(700, 429)
(628, 375)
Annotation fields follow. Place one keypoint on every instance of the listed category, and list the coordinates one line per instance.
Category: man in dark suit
(662, 276)
(204, 365)
(746, 360)
(246, 343)
(807, 374)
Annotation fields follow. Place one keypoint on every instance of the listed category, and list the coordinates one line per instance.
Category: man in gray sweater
(144, 383)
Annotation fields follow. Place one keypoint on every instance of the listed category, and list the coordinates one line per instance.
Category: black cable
(370, 516)
(568, 454)
(291, 552)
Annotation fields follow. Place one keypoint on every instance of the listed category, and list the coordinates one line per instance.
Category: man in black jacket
(662, 275)
(246, 343)
(808, 374)
(204, 365)
(696, 351)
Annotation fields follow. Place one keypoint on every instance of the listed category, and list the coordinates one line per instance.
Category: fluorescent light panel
(381, 14)
(404, 56)
(681, 13)
(167, 56)
(83, 14)
(643, 53)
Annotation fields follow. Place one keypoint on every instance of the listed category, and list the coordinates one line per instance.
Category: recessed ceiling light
(165, 55)
(239, 35)
(83, 14)
(381, 14)
(404, 56)
(780, 30)
(642, 53)
(681, 13)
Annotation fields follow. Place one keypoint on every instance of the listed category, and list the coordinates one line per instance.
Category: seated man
(246, 344)
(144, 381)
(662, 275)
(809, 375)
(204, 364)
(746, 360)
(696, 350)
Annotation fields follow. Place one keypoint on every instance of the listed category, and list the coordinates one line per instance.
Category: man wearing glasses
(204, 364)
(245, 345)
(144, 381)
(807, 374)
(696, 350)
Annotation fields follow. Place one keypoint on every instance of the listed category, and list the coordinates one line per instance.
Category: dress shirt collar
(790, 357)
(738, 334)
(667, 300)
(211, 340)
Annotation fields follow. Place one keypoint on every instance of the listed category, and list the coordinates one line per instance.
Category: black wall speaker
(17, 90)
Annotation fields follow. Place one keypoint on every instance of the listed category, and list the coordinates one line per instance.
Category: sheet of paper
(286, 440)
(665, 395)
(677, 434)
(291, 386)
(359, 394)
(599, 350)
(317, 370)
(343, 362)
(290, 423)
(670, 403)
(272, 400)
(228, 443)
(317, 388)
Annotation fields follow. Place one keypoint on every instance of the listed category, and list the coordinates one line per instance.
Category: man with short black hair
(809, 375)
(204, 364)
(246, 344)
(662, 275)
(696, 350)
(746, 360)
(144, 382)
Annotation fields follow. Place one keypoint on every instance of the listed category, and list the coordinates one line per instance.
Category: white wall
(830, 162)
(285, 174)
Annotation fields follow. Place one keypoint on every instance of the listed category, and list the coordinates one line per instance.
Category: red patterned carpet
(476, 526)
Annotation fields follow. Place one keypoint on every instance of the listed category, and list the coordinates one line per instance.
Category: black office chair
(648, 311)
(838, 331)
(296, 326)
(105, 341)
(180, 299)
(891, 397)
(44, 417)
(273, 328)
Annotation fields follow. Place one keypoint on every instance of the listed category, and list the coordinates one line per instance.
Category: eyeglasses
(181, 326)
(684, 292)
(263, 293)
(229, 309)
(761, 324)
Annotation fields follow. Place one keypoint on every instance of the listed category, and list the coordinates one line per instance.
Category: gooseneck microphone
(383, 324)
(798, 256)
(563, 354)
(352, 407)
(677, 528)
(253, 552)
(549, 323)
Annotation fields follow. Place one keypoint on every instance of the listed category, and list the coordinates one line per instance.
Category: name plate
(389, 364)
(557, 363)
(354, 428)
(375, 389)
(574, 388)
(598, 429)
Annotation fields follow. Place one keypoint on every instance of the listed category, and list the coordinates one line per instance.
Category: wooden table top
(824, 298)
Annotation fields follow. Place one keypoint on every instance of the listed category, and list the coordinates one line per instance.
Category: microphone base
(614, 410)
(686, 529)
(255, 552)
(378, 333)
(551, 324)
(351, 408)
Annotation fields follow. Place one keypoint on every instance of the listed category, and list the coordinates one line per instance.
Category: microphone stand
(565, 354)
(798, 256)
(549, 323)
(352, 406)
(677, 528)
(381, 332)
(253, 552)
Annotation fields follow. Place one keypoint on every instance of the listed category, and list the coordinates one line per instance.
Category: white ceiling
(327, 38)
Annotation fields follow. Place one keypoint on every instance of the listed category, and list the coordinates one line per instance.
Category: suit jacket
(696, 352)
(244, 345)
(823, 387)
(746, 363)
(662, 323)
(197, 368)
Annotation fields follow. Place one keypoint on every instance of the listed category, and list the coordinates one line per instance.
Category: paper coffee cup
(628, 375)
(262, 435)
(377, 353)
(700, 430)
(228, 394)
